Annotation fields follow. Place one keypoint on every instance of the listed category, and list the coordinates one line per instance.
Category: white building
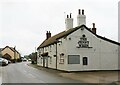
(78, 49)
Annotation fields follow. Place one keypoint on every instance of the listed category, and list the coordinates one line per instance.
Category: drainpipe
(57, 41)
(43, 59)
(56, 54)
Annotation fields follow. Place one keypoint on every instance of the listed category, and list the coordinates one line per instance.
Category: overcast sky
(23, 23)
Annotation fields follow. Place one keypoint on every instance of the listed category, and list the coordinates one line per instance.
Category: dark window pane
(73, 59)
(85, 61)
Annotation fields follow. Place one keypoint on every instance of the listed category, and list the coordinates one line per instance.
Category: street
(22, 73)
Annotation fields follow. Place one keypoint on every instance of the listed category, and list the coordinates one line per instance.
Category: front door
(45, 61)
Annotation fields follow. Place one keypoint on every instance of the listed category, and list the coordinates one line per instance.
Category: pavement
(107, 77)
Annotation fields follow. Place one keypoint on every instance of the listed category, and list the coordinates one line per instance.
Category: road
(22, 73)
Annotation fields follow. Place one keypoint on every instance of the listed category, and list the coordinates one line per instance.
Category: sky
(23, 23)
(118, 22)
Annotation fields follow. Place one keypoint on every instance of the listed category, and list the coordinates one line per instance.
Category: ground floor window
(61, 59)
(85, 61)
(73, 59)
(50, 60)
(41, 60)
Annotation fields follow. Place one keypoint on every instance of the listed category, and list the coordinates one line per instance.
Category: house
(10, 53)
(78, 49)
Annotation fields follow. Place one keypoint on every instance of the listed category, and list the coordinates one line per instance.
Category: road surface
(22, 73)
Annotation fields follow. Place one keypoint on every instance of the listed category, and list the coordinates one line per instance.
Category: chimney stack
(81, 18)
(69, 22)
(48, 35)
(94, 29)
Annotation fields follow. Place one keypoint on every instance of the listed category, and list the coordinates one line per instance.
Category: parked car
(29, 59)
(3, 62)
(9, 61)
(24, 59)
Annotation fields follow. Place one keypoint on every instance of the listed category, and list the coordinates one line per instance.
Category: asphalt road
(22, 73)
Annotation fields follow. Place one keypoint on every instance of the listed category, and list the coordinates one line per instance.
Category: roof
(14, 50)
(53, 39)
(1, 49)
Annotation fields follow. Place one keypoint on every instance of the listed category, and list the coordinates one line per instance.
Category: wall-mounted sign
(83, 43)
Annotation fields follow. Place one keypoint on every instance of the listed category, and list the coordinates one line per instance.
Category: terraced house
(10, 53)
(78, 49)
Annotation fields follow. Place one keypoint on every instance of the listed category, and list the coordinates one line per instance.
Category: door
(46, 62)
(43, 61)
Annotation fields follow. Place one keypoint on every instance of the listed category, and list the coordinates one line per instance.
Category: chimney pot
(82, 12)
(67, 16)
(93, 25)
(94, 29)
(79, 11)
(70, 15)
(49, 34)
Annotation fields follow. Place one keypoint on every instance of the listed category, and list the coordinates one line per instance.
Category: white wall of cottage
(102, 55)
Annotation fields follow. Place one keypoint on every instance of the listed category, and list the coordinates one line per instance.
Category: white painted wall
(109, 55)
(62, 49)
(103, 55)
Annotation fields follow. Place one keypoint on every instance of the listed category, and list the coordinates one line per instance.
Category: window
(85, 61)
(61, 58)
(45, 48)
(50, 48)
(69, 38)
(73, 59)
(41, 60)
(50, 60)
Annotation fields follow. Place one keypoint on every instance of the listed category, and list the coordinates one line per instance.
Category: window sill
(84, 47)
(61, 63)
